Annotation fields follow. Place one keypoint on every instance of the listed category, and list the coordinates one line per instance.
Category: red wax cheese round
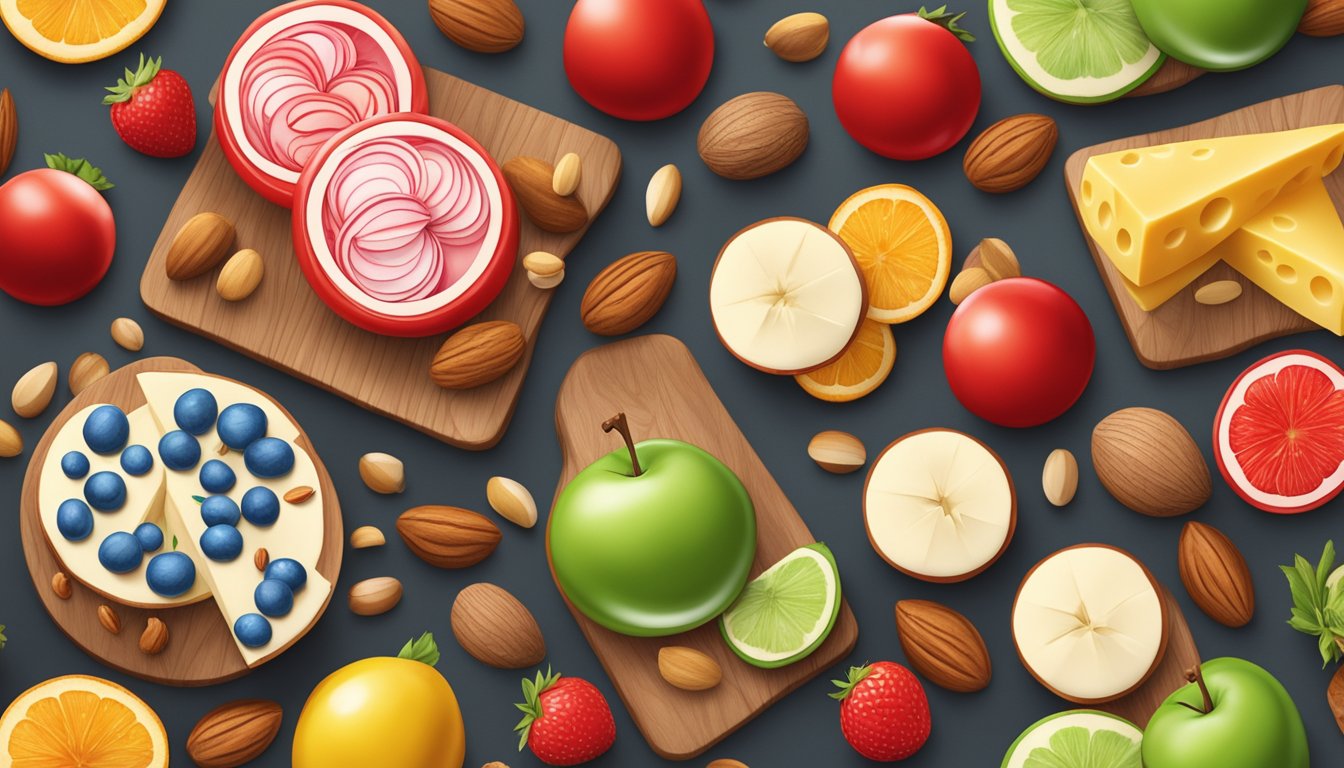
(57, 236)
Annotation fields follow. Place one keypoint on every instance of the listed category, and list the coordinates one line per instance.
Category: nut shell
(478, 355)
(943, 646)
(1149, 463)
(199, 246)
(483, 26)
(753, 135)
(628, 293)
(1009, 154)
(1216, 576)
(235, 733)
(531, 180)
(448, 537)
(496, 629)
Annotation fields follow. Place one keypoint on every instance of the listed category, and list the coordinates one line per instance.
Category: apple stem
(1194, 675)
(620, 424)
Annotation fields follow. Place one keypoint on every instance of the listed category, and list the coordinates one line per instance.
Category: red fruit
(153, 111)
(884, 713)
(566, 720)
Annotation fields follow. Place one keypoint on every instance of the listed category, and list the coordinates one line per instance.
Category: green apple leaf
(1317, 610)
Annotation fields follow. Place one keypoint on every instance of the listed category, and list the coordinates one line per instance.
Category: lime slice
(785, 614)
(1075, 739)
(1079, 51)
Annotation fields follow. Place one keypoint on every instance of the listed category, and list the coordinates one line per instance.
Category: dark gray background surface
(60, 110)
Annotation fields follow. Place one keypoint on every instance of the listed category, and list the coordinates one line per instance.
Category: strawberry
(884, 713)
(566, 720)
(153, 111)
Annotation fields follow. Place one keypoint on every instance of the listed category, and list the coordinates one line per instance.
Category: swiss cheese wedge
(1158, 292)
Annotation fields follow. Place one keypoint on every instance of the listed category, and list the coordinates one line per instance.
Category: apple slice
(787, 296)
(1089, 623)
(939, 505)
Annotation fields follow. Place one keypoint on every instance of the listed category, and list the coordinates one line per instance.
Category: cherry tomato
(1019, 352)
(639, 59)
(906, 88)
(58, 237)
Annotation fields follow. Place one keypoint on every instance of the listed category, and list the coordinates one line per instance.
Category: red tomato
(1019, 352)
(906, 88)
(639, 59)
(58, 236)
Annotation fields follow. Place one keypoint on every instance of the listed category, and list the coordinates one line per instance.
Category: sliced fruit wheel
(863, 367)
(1081, 737)
(787, 612)
(1279, 434)
(1082, 53)
(83, 721)
(73, 33)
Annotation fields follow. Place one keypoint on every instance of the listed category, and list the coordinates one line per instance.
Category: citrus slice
(75, 32)
(1082, 737)
(785, 614)
(82, 721)
(902, 244)
(865, 364)
(1078, 51)
(1279, 435)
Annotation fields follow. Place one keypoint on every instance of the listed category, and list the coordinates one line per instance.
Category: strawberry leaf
(2, 635)
(126, 87)
(531, 704)
(81, 168)
(856, 676)
(422, 649)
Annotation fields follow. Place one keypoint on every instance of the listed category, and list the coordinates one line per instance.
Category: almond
(688, 669)
(261, 558)
(1323, 18)
(34, 390)
(546, 282)
(60, 585)
(9, 130)
(943, 646)
(662, 195)
(1010, 153)
(1149, 463)
(966, 282)
(478, 355)
(240, 276)
(382, 473)
(628, 293)
(87, 369)
(376, 596)
(1059, 478)
(11, 442)
(753, 135)
(235, 733)
(109, 619)
(299, 494)
(201, 244)
(568, 174)
(1334, 695)
(837, 452)
(726, 763)
(543, 263)
(448, 537)
(366, 536)
(483, 26)
(1218, 292)
(128, 334)
(1215, 575)
(530, 179)
(155, 637)
(996, 258)
(512, 501)
(496, 629)
(800, 37)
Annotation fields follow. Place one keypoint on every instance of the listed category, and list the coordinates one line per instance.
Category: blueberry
(106, 429)
(261, 506)
(179, 450)
(289, 571)
(150, 536)
(269, 457)
(222, 543)
(75, 465)
(241, 424)
(74, 520)
(195, 411)
(219, 510)
(137, 460)
(170, 573)
(120, 552)
(252, 630)
(105, 491)
(217, 477)
(274, 597)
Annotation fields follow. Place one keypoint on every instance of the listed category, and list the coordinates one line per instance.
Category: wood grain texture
(657, 383)
(200, 648)
(1171, 75)
(1182, 331)
(1181, 655)
(284, 324)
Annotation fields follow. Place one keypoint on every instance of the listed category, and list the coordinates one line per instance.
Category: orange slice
(81, 721)
(903, 246)
(863, 367)
(76, 31)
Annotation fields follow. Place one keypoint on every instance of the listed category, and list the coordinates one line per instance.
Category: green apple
(652, 539)
(1233, 714)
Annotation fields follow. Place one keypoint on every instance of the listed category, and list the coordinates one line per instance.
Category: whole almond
(943, 646)
(800, 37)
(628, 293)
(837, 452)
(376, 596)
(261, 558)
(1218, 292)
(382, 473)
(483, 26)
(60, 585)
(128, 334)
(568, 174)
(155, 637)
(1334, 696)
(543, 263)
(366, 536)
(753, 135)
(234, 734)
(512, 501)
(11, 442)
(1323, 18)
(662, 195)
(1059, 477)
(494, 764)
(34, 390)
(87, 369)
(966, 282)
(478, 355)
(997, 259)
(201, 244)
(1215, 575)
(448, 537)
(299, 494)
(726, 763)
(688, 669)
(496, 629)
(240, 276)
(530, 179)
(9, 130)
(1011, 153)
(546, 282)
(1149, 463)
(109, 619)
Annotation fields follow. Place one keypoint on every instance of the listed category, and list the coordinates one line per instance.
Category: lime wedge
(1075, 739)
(1079, 51)
(785, 613)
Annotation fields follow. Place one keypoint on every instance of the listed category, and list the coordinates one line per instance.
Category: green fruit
(1078, 51)
(785, 613)
(1233, 715)
(1220, 35)
(1082, 738)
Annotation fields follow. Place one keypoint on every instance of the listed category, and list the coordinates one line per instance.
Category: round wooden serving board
(200, 648)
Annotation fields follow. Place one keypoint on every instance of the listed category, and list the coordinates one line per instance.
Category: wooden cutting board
(1171, 75)
(200, 648)
(284, 324)
(1183, 332)
(1181, 655)
(659, 386)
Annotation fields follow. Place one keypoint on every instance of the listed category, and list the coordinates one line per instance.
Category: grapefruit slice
(1279, 434)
